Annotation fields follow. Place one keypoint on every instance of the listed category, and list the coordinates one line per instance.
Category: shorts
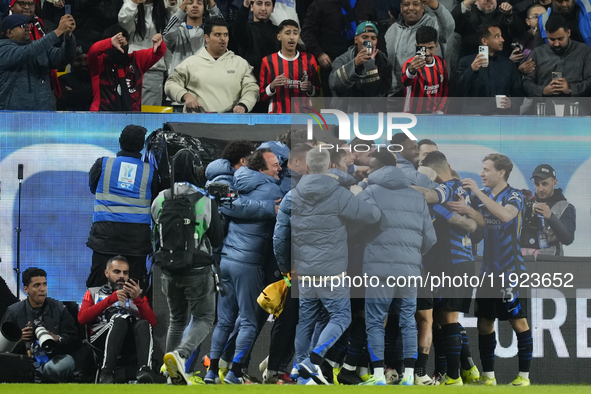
(497, 308)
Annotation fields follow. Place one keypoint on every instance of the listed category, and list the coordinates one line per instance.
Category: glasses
(26, 4)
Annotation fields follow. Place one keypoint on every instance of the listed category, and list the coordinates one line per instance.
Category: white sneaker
(175, 365)
(264, 364)
(425, 380)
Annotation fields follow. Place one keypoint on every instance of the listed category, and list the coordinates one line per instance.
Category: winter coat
(25, 72)
(405, 231)
(415, 177)
(320, 210)
(249, 239)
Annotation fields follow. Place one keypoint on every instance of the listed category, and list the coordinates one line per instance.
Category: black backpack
(175, 229)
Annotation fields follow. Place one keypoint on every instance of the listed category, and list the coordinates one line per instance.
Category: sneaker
(425, 380)
(232, 379)
(365, 378)
(349, 377)
(452, 382)
(470, 376)
(285, 378)
(196, 379)
(222, 373)
(309, 370)
(307, 382)
(211, 378)
(294, 375)
(391, 376)
(263, 365)
(248, 379)
(106, 377)
(520, 381)
(438, 377)
(335, 375)
(486, 381)
(144, 375)
(175, 365)
(407, 380)
(374, 382)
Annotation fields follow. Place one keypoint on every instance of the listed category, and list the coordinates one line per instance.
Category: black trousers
(124, 335)
(97, 278)
(283, 334)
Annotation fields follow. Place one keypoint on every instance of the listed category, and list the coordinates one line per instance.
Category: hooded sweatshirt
(218, 85)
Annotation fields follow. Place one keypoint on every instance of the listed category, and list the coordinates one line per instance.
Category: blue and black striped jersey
(502, 253)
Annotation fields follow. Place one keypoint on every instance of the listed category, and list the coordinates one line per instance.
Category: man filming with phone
(119, 317)
(489, 74)
(563, 67)
(362, 71)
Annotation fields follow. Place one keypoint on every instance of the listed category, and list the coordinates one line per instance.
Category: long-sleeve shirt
(301, 68)
(105, 75)
(428, 89)
(91, 311)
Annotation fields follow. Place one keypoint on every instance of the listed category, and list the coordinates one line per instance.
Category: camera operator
(550, 220)
(119, 316)
(48, 330)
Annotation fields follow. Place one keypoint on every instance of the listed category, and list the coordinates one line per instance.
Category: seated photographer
(119, 318)
(48, 331)
(550, 220)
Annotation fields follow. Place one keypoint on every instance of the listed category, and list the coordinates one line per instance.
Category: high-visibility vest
(124, 191)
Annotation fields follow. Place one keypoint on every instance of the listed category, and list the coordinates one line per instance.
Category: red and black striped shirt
(427, 91)
(301, 68)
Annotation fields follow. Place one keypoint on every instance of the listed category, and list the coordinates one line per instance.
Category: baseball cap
(543, 171)
(12, 21)
(366, 25)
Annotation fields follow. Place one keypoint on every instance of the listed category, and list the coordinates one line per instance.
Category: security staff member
(124, 187)
(554, 218)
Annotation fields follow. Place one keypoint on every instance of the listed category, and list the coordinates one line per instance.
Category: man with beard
(76, 85)
(25, 70)
(564, 55)
(120, 318)
(554, 218)
(577, 21)
(116, 74)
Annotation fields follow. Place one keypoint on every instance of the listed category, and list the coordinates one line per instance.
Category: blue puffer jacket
(279, 149)
(249, 237)
(320, 208)
(282, 235)
(220, 170)
(405, 231)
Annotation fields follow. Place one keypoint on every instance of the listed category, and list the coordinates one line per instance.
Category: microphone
(21, 167)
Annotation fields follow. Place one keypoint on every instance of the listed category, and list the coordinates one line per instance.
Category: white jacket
(218, 85)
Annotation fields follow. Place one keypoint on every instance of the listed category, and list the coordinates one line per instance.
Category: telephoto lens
(46, 341)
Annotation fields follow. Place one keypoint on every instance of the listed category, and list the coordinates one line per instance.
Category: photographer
(550, 220)
(48, 331)
(118, 315)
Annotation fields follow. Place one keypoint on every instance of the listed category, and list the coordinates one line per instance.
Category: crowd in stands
(169, 52)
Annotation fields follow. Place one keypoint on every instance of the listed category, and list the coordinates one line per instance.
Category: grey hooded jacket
(405, 231)
(320, 212)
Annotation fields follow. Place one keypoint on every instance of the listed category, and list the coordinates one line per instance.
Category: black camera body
(222, 193)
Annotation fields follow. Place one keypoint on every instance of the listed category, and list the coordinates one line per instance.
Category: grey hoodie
(405, 231)
(320, 210)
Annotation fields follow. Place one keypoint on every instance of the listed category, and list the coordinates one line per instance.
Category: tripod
(17, 270)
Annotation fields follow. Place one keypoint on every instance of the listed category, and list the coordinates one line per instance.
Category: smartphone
(368, 45)
(136, 281)
(68, 8)
(483, 50)
(556, 75)
(421, 52)
(515, 45)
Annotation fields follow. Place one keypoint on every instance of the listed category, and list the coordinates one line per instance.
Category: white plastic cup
(559, 110)
(499, 98)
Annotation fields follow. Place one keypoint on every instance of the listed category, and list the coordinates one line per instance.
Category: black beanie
(185, 167)
(132, 138)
